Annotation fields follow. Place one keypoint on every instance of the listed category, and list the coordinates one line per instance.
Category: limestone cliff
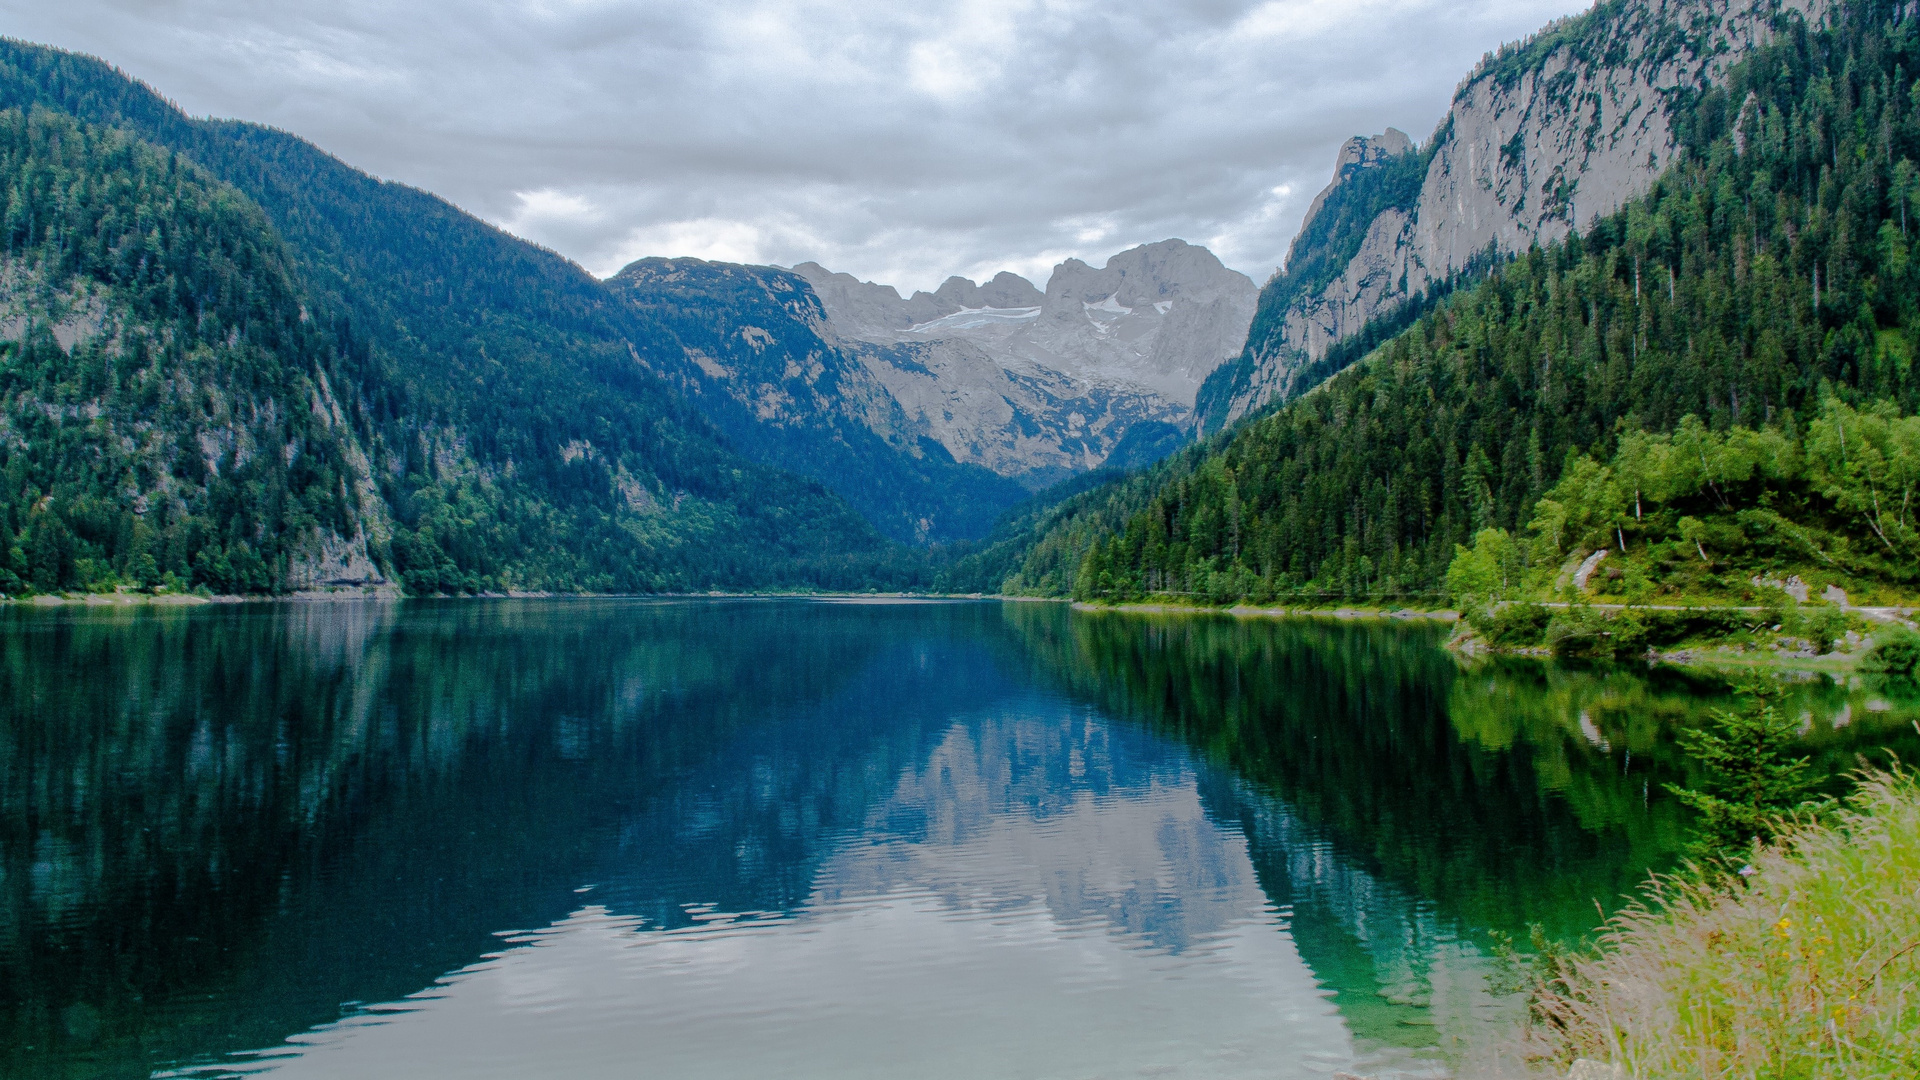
(1040, 385)
(1542, 137)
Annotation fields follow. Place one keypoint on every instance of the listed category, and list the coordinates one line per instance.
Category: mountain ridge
(1039, 385)
(1758, 300)
(491, 385)
(1543, 136)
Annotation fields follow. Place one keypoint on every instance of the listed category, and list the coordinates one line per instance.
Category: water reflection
(715, 838)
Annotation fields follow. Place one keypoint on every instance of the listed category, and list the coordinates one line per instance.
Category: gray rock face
(1031, 423)
(758, 359)
(1541, 137)
(1362, 152)
(1039, 385)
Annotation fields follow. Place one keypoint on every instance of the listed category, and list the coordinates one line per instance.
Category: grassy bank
(1177, 606)
(1787, 632)
(1809, 966)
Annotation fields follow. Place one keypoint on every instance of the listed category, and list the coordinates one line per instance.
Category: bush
(1896, 651)
(1583, 631)
(1823, 626)
(1665, 628)
(1753, 778)
(1513, 626)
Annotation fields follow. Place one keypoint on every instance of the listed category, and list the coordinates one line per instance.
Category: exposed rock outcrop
(1542, 137)
(751, 347)
(1039, 385)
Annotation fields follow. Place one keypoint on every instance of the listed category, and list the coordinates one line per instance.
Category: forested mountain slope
(1769, 270)
(1542, 138)
(165, 413)
(749, 345)
(509, 429)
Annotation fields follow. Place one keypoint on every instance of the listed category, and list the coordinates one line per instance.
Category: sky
(899, 140)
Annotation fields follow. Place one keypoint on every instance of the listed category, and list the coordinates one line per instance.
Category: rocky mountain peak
(1042, 384)
(1358, 154)
(1369, 151)
(1006, 290)
(1543, 137)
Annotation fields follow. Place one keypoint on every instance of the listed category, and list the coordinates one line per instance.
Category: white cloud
(900, 142)
(715, 239)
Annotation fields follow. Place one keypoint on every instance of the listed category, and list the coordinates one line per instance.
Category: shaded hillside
(749, 346)
(165, 415)
(508, 426)
(1770, 262)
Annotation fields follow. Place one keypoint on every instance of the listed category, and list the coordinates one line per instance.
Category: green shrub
(1896, 651)
(1579, 631)
(1667, 628)
(1823, 626)
(1753, 778)
(1513, 626)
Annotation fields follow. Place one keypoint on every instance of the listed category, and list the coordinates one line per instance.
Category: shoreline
(1463, 643)
(1246, 611)
(1469, 645)
(126, 599)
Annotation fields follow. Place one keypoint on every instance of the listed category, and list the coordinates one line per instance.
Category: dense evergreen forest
(508, 432)
(179, 433)
(1767, 280)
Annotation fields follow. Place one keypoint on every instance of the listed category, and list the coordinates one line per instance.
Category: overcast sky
(899, 140)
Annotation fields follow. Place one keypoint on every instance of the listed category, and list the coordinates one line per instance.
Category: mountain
(1039, 385)
(1543, 138)
(750, 347)
(489, 424)
(1757, 308)
(166, 414)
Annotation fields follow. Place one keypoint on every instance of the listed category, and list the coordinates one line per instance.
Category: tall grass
(1807, 968)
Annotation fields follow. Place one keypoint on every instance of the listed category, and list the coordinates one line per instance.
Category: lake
(758, 838)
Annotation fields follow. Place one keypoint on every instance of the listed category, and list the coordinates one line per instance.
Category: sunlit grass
(1810, 967)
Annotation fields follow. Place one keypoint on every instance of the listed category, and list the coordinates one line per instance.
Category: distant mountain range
(340, 382)
(230, 361)
(1041, 385)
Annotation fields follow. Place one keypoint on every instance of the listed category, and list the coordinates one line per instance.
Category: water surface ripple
(788, 838)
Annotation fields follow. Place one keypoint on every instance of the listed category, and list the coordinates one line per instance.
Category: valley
(1459, 319)
(683, 706)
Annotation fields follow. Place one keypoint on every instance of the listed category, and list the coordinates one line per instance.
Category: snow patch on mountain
(1040, 385)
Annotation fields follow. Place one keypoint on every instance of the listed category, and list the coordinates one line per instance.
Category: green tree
(1753, 779)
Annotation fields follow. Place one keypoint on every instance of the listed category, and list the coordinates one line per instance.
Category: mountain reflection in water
(731, 838)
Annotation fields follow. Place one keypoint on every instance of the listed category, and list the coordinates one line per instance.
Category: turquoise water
(795, 838)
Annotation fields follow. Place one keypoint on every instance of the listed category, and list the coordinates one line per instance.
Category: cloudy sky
(900, 140)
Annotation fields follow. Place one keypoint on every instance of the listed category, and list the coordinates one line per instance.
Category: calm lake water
(596, 838)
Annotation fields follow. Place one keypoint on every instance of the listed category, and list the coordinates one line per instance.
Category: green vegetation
(184, 436)
(1698, 517)
(1896, 652)
(1328, 241)
(1754, 780)
(784, 395)
(1762, 287)
(495, 419)
(1803, 967)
